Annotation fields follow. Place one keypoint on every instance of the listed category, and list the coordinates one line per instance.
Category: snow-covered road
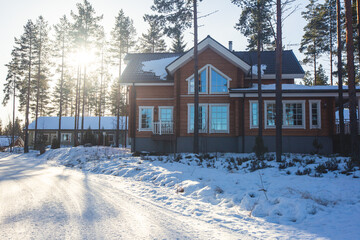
(39, 201)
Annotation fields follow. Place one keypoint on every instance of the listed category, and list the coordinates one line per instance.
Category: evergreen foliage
(315, 39)
(178, 45)
(152, 41)
(254, 23)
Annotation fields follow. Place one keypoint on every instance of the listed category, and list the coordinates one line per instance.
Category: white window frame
(152, 118)
(251, 114)
(220, 73)
(62, 137)
(206, 118)
(207, 80)
(267, 102)
(318, 102)
(167, 107)
(302, 102)
(228, 117)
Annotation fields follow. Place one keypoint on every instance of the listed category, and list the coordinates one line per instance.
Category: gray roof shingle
(134, 72)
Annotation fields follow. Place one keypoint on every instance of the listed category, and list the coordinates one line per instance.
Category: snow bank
(309, 196)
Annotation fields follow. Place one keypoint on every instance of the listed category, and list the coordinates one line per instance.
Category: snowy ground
(112, 194)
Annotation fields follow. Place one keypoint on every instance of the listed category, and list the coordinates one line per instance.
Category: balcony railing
(161, 128)
(346, 127)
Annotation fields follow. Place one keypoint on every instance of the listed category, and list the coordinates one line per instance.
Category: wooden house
(161, 106)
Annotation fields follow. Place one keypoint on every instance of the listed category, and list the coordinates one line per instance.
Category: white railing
(346, 127)
(161, 128)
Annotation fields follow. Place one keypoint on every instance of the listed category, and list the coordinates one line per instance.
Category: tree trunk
(358, 25)
(260, 118)
(13, 125)
(118, 103)
(26, 143)
(83, 107)
(340, 80)
(196, 83)
(351, 79)
(100, 95)
(38, 92)
(61, 89)
(76, 108)
(278, 121)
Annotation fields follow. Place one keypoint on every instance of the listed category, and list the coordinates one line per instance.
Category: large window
(315, 113)
(270, 113)
(254, 114)
(145, 118)
(166, 114)
(294, 114)
(219, 84)
(202, 82)
(202, 118)
(219, 118)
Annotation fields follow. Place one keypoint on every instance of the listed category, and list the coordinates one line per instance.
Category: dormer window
(211, 80)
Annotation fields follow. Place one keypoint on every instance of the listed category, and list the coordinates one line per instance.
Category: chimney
(230, 46)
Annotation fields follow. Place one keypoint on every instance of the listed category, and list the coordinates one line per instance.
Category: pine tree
(86, 30)
(255, 24)
(152, 41)
(178, 45)
(122, 39)
(314, 42)
(351, 80)
(61, 50)
(42, 54)
(24, 49)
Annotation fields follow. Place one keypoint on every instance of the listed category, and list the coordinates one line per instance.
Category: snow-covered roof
(5, 141)
(67, 123)
(157, 67)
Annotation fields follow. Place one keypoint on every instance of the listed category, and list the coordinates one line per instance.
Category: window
(254, 114)
(294, 114)
(65, 137)
(270, 113)
(166, 114)
(315, 113)
(202, 118)
(46, 138)
(219, 84)
(111, 138)
(145, 118)
(202, 82)
(219, 118)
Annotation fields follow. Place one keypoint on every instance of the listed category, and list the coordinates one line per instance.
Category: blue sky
(220, 25)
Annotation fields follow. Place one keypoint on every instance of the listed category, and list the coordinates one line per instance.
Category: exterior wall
(269, 81)
(240, 137)
(53, 134)
(327, 119)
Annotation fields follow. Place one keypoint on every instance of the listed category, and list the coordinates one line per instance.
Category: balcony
(163, 128)
(346, 127)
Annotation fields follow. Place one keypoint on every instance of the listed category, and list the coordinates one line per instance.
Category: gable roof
(158, 68)
(67, 123)
(208, 42)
